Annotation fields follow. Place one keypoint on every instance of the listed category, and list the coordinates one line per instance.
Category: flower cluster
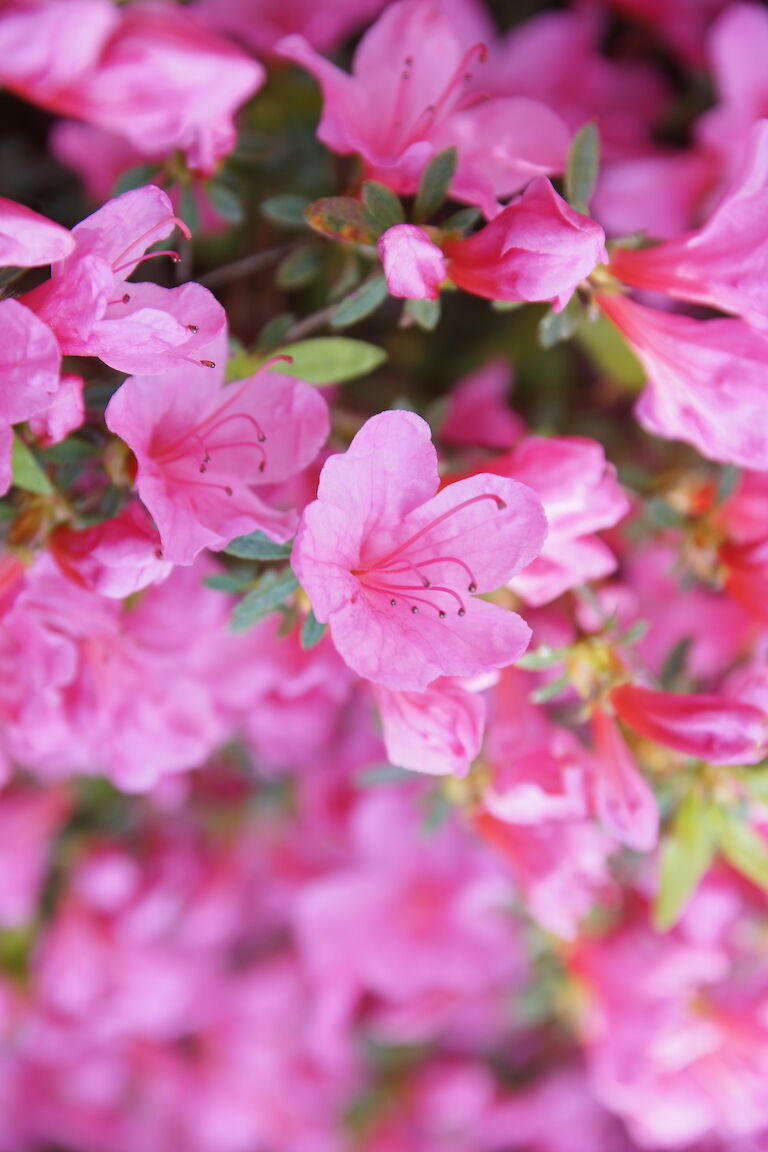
(383, 713)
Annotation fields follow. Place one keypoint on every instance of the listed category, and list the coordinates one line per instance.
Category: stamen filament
(500, 504)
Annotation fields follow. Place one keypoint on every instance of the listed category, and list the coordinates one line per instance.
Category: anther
(441, 614)
(193, 328)
(461, 612)
(473, 588)
(393, 603)
(126, 298)
(415, 609)
(228, 490)
(207, 363)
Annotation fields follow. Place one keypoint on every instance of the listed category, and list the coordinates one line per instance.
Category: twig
(246, 266)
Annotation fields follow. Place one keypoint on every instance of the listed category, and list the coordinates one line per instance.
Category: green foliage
(26, 473)
(686, 854)
(341, 218)
(257, 546)
(361, 303)
(312, 631)
(382, 207)
(271, 593)
(582, 167)
(425, 314)
(330, 359)
(287, 210)
(435, 184)
(300, 267)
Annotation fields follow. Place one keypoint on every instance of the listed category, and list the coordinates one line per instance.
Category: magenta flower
(208, 454)
(28, 239)
(393, 565)
(30, 363)
(416, 88)
(413, 265)
(439, 731)
(723, 263)
(707, 380)
(132, 327)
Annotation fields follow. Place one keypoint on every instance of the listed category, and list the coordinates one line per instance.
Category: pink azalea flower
(29, 821)
(30, 361)
(150, 72)
(28, 239)
(115, 558)
(625, 803)
(438, 731)
(537, 248)
(477, 412)
(711, 727)
(392, 565)
(707, 380)
(64, 414)
(132, 327)
(409, 97)
(262, 23)
(206, 449)
(723, 263)
(580, 494)
(413, 265)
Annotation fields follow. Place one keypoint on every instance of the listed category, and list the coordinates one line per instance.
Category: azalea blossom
(209, 454)
(394, 566)
(416, 88)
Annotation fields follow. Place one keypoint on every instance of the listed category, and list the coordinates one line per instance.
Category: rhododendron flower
(723, 263)
(64, 413)
(132, 327)
(580, 494)
(150, 72)
(114, 558)
(537, 248)
(476, 411)
(736, 46)
(707, 380)
(206, 450)
(413, 265)
(29, 821)
(409, 97)
(393, 566)
(625, 802)
(28, 239)
(438, 731)
(710, 727)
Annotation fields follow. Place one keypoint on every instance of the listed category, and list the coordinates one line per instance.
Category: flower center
(453, 98)
(414, 558)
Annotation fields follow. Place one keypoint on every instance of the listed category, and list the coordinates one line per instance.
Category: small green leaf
(273, 590)
(286, 210)
(70, 451)
(26, 473)
(435, 184)
(228, 582)
(300, 267)
(633, 634)
(330, 359)
(382, 774)
(582, 167)
(744, 848)
(188, 207)
(257, 546)
(135, 177)
(674, 663)
(555, 327)
(686, 854)
(225, 202)
(541, 657)
(663, 514)
(550, 690)
(341, 218)
(425, 314)
(382, 207)
(727, 482)
(312, 631)
(462, 220)
(275, 331)
(361, 303)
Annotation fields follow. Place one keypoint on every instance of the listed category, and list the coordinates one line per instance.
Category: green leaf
(383, 774)
(225, 202)
(382, 207)
(550, 690)
(633, 634)
(686, 854)
(541, 657)
(70, 451)
(330, 359)
(300, 267)
(275, 331)
(341, 218)
(257, 546)
(727, 482)
(273, 590)
(582, 167)
(662, 514)
(462, 220)
(188, 207)
(26, 473)
(610, 352)
(674, 663)
(286, 210)
(361, 303)
(135, 177)
(228, 581)
(744, 848)
(555, 327)
(425, 314)
(435, 184)
(312, 631)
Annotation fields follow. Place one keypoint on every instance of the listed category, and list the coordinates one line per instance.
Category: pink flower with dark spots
(394, 566)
